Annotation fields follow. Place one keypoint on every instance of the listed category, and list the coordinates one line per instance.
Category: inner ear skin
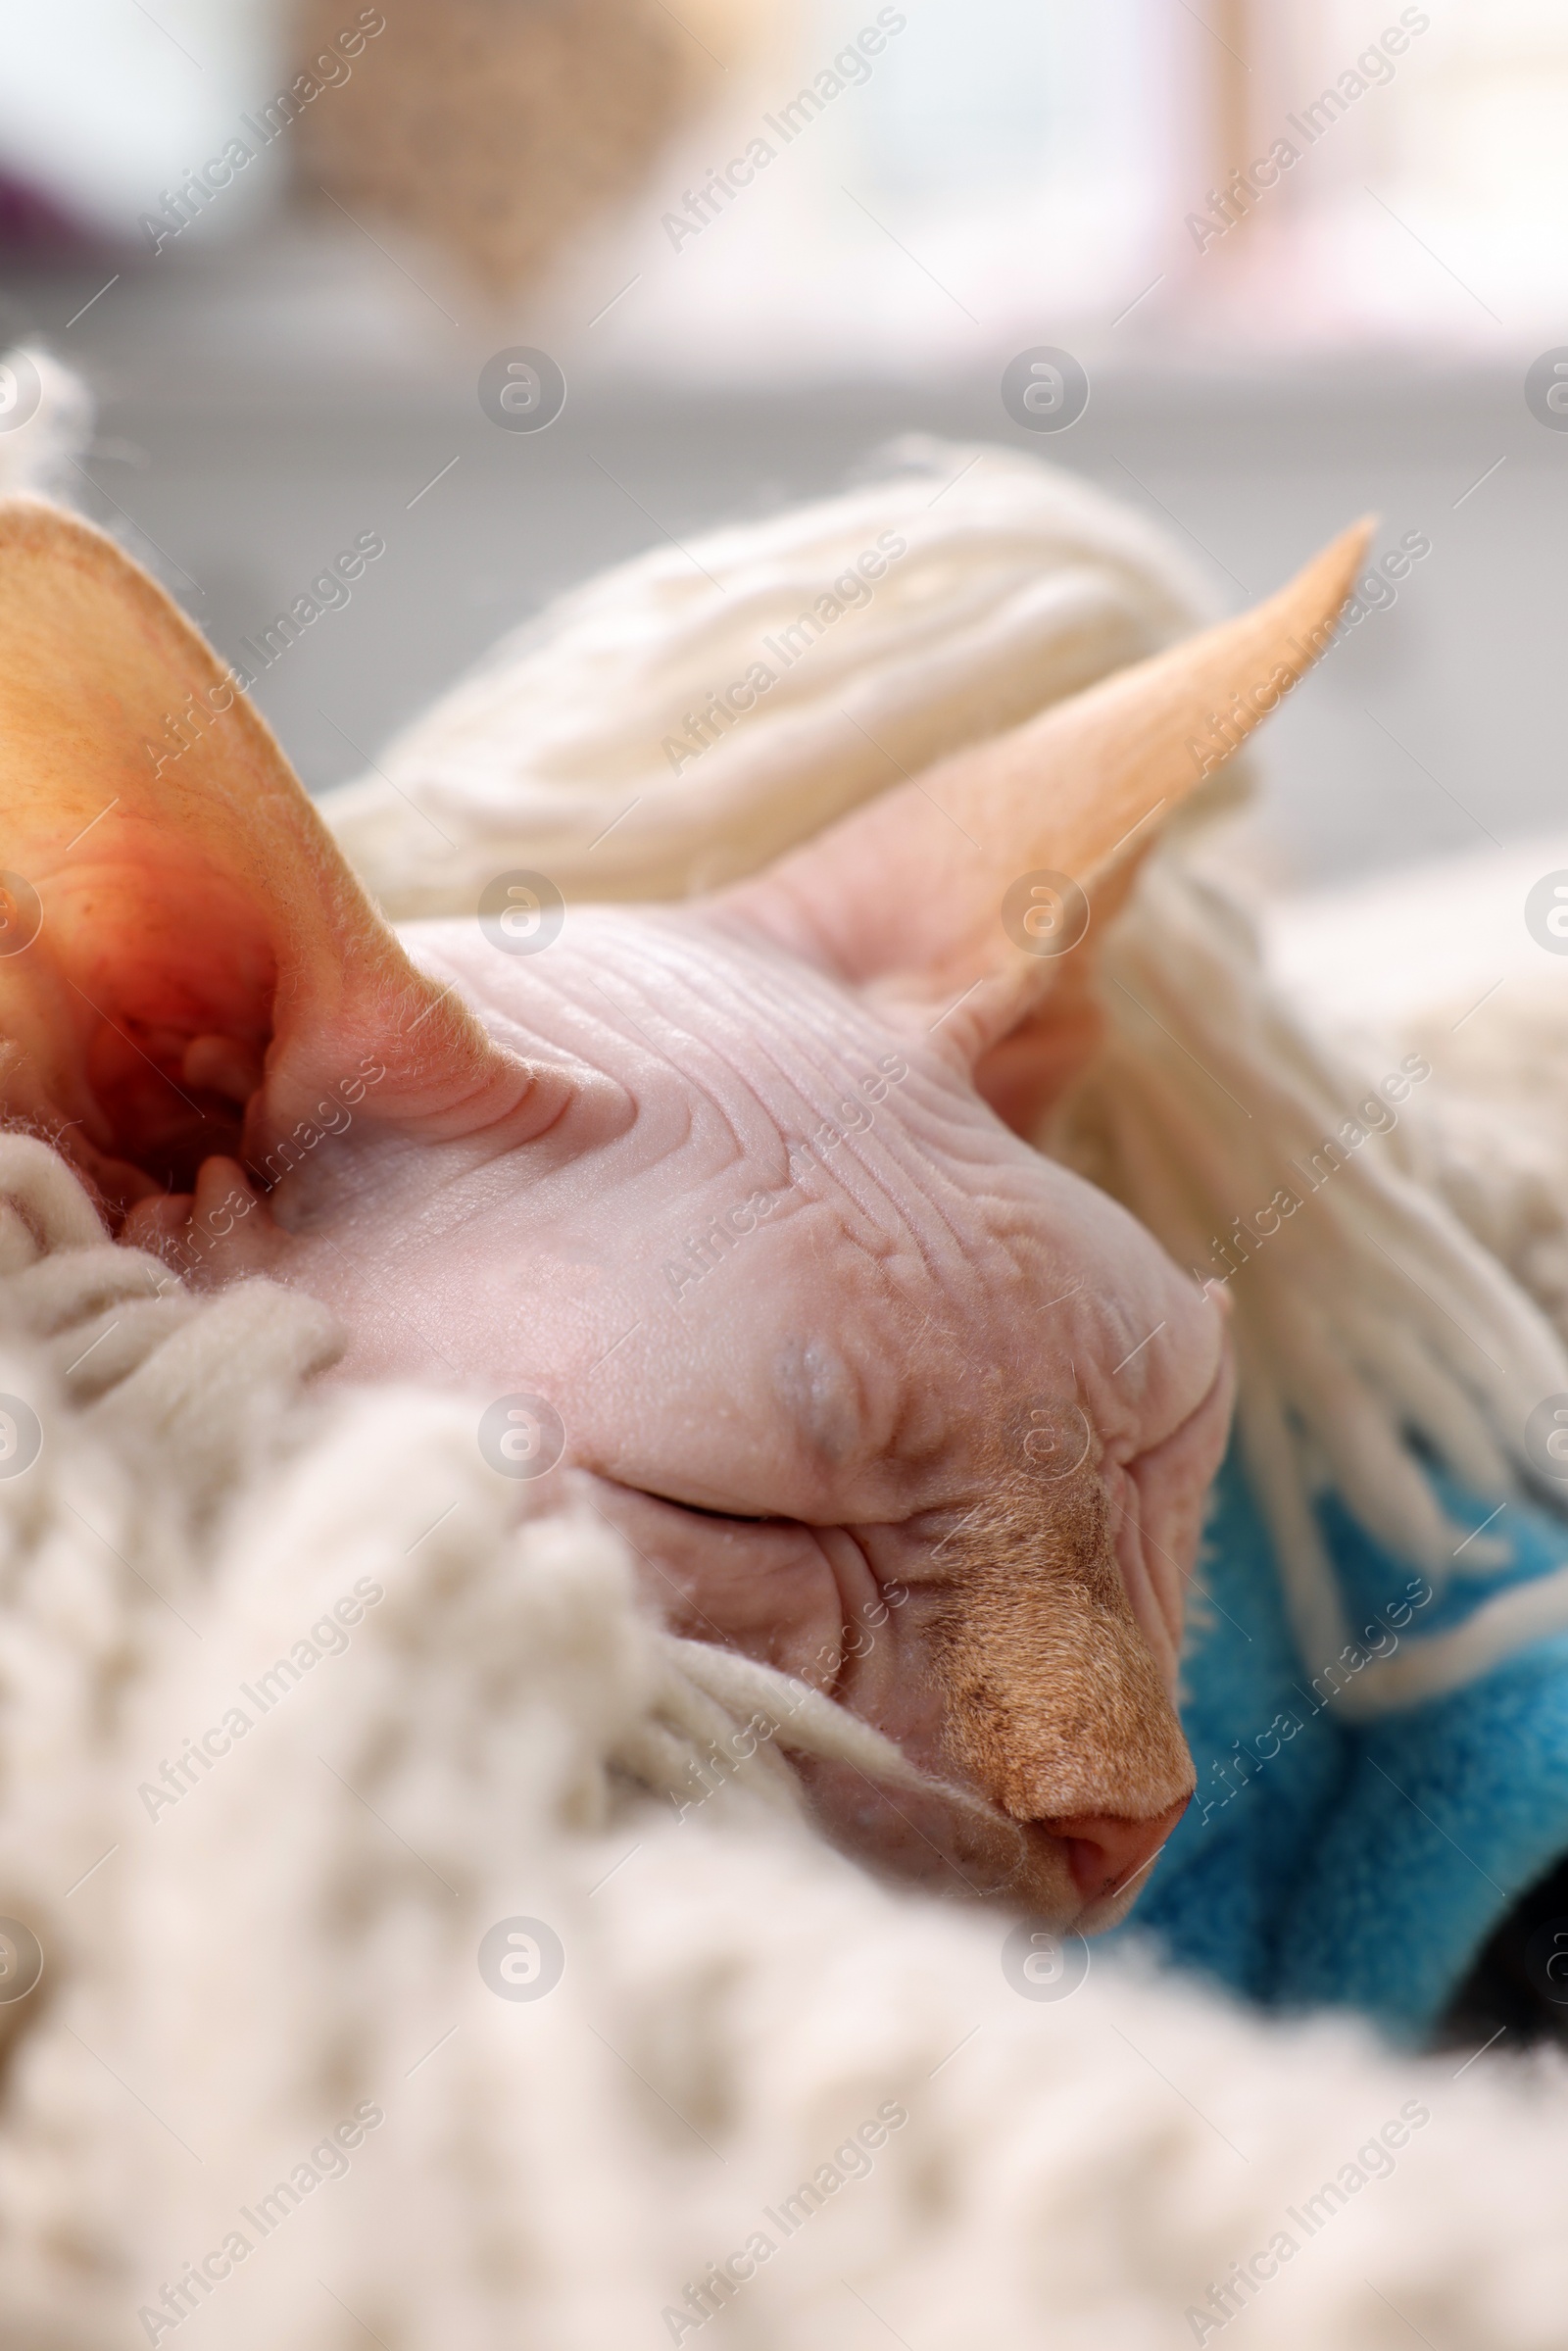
(147, 950)
(1030, 1070)
(167, 1126)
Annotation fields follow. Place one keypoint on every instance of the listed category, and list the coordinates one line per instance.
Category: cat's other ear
(969, 897)
(187, 965)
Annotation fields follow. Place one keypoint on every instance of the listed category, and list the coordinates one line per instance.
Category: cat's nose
(1107, 1853)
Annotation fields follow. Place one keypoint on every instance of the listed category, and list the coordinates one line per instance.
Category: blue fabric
(1325, 1861)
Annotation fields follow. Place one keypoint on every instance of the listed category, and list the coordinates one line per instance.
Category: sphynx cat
(927, 1381)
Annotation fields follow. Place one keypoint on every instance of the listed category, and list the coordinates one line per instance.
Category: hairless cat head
(877, 1393)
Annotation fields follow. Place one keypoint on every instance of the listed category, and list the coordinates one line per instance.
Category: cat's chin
(944, 1845)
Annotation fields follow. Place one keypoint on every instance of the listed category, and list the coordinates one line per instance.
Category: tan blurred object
(498, 127)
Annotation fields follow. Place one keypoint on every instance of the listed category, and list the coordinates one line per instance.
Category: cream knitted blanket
(433, 1952)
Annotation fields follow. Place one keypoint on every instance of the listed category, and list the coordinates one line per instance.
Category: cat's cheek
(1159, 1501)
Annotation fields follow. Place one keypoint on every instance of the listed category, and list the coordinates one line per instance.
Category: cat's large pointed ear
(966, 893)
(187, 962)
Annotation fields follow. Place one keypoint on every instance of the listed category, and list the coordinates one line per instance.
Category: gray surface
(259, 409)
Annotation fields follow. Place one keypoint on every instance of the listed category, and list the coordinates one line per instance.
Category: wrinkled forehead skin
(856, 1270)
(876, 1393)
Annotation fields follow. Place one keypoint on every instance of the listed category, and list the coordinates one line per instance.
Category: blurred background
(1309, 254)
